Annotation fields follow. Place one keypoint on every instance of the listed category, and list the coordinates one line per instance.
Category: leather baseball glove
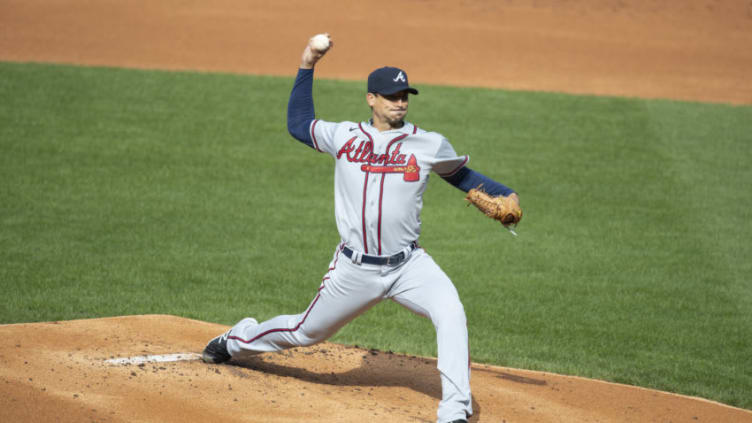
(504, 209)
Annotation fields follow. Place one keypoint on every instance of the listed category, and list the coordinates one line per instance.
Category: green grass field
(130, 192)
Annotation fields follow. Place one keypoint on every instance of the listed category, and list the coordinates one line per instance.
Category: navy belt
(382, 260)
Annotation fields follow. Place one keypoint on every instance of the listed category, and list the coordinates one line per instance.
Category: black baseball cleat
(459, 421)
(216, 350)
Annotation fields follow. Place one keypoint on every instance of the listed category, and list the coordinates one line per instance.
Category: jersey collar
(407, 128)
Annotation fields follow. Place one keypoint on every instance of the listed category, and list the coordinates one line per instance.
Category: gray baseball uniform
(379, 182)
(381, 170)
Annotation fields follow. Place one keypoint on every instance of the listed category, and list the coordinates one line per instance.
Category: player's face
(388, 110)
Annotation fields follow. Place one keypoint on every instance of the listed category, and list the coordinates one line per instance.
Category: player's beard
(396, 119)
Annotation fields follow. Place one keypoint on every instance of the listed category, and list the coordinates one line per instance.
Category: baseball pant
(348, 290)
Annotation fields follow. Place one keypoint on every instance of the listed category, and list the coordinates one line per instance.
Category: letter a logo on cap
(388, 81)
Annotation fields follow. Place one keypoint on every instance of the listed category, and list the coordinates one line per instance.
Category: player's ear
(371, 99)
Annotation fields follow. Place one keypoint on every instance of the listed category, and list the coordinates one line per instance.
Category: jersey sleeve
(323, 134)
(447, 162)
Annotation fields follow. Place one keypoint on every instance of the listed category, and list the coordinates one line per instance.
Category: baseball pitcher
(381, 169)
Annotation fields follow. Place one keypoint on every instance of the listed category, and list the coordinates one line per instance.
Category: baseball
(320, 42)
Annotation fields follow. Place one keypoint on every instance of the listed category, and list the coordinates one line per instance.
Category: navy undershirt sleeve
(300, 111)
(466, 179)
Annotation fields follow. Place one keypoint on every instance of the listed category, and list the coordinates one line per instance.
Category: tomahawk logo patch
(411, 171)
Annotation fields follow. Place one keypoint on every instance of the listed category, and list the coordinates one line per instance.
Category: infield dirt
(59, 371)
(690, 50)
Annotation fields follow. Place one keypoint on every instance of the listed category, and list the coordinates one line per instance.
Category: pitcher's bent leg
(344, 294)
(275, 334)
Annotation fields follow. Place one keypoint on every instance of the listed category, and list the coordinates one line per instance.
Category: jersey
(380, 178)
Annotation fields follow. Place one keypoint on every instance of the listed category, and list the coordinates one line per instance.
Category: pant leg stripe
(236, 338)
(326, 277)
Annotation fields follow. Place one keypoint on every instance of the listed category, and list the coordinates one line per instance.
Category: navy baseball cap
(389, 80)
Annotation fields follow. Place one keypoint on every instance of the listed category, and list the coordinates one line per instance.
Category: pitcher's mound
(146, 368)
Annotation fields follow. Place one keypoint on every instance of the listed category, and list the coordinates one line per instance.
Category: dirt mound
(107, 370)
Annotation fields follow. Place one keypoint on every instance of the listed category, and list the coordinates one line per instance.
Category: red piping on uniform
(381, 189)
(315, 300)
(381, 195)
(363, 215)
(313, 135)
(280, 330)
(365, 186)
(455, 170)
(336, 258)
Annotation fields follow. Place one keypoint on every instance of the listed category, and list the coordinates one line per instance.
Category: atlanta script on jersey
(379, 180)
